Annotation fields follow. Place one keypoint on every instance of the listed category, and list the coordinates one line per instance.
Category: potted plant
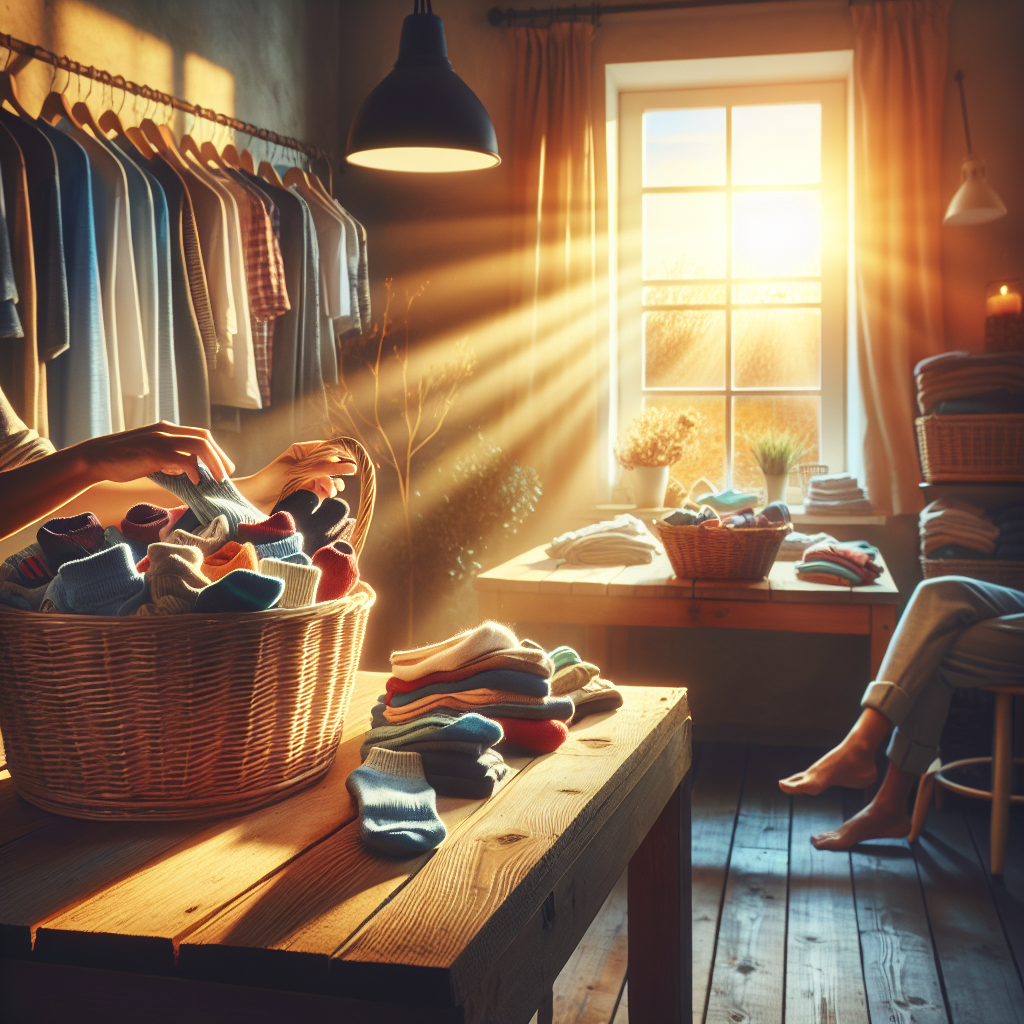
(776, 453)
(655, 439)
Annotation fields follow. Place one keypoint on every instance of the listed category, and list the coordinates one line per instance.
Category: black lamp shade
(422, 116)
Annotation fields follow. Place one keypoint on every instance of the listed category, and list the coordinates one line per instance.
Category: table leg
(883, 624)
(546, 1010)
(660, 926)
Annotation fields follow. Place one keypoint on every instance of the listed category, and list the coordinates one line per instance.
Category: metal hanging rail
(119, 82)
(510, 15)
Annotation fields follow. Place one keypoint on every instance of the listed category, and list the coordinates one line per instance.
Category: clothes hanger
(296, 176)
(229, 156)
(83, 114)
(247, 162)
(163, 140)
(56, 104)
(111, 122)
(9, 89)
(268, 173)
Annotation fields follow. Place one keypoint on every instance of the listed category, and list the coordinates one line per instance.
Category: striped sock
(300, 581)
(210, 498)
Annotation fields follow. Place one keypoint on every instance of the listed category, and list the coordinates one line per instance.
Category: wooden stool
(1002, 762)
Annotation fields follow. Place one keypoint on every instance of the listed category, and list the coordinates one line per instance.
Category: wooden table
(283, 912)
(535, 588)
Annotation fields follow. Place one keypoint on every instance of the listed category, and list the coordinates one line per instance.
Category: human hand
(313, 465)
(156, 448)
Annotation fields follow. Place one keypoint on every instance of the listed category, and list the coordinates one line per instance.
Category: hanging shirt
(310, 381)
(52, 332)
(353, 321)
(10, 324)
(19, 363)
(122, 321)
(78, 382)
(335, 295)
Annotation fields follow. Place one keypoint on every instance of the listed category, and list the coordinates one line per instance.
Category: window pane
(776, 348)
(778, 291)
(684, 295)
(775, 234)
(706, 458)
(776, 145)
(684, 350)
(684, 236)
(684, 147)
(753, 417)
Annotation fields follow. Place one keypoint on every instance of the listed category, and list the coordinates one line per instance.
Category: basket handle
(348, 449)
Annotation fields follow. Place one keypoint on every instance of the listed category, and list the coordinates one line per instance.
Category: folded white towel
(453, 653)
(623, 540)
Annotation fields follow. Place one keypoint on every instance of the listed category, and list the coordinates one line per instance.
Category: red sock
(339, 570)
(173, 515)
(275, 527)
(143, 522)
(541, 735)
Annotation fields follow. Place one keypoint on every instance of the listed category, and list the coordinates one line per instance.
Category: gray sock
(209, 499)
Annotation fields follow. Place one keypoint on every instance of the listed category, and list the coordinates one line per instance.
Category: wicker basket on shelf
(183, 716)
(966, 449)
(715, 553)
(991, 570)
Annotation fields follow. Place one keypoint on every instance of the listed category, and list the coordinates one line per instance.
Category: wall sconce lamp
(976, 201)
(422, 117)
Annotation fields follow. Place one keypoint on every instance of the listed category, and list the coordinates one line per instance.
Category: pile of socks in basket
(444, 710)
(214, 553)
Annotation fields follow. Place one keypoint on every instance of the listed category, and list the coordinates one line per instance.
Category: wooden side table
(283, 912)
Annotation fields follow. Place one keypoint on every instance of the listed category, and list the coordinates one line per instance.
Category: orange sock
(230, 557)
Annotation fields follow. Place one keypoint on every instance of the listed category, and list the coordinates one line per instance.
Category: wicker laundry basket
(992, 570)
(964, 449)
(183, 716)
(744, 553)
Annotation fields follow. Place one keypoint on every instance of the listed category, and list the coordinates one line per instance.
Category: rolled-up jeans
(924, 662)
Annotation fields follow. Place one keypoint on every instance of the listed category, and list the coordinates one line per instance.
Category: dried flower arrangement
(776, 452)
(657, 436)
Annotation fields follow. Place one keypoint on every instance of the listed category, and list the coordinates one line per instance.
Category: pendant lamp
(976, 201)
(422, 117)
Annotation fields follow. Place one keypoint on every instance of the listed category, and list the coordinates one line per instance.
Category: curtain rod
(497, 15)
(119, 82)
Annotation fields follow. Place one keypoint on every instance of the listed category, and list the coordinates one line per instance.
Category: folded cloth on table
(572, 677)
(490, 703)
(838, 492)
(827, 572)
(956, 376)
(593, 697)
(527, 657)
(950, 521)
(453, 653)
(795, 544)
(623, 540)
(852, 562)
(524, 683)
(439, 727)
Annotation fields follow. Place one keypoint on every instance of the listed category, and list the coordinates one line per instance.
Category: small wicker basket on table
(183, 716)
(745, 553)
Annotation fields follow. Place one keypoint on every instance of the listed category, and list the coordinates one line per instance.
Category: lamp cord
(963, 107)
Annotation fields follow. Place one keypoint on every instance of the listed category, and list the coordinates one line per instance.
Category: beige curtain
(899, 80)
(551, 408)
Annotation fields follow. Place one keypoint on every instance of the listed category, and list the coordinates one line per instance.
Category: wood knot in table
(509, 838)
(593, 743)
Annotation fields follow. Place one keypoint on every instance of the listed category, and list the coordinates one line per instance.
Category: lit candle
(1003, 303)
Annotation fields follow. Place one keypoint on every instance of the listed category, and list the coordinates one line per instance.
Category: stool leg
(1002, 767)
(924, 795)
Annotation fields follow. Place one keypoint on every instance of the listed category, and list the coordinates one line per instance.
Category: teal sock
(397, 809)
(563, 656)
(240, 591)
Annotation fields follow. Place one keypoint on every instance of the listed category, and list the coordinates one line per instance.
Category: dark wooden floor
(784, 934)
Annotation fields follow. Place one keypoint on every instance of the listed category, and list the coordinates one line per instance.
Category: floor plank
(900, 975)
(980, 976)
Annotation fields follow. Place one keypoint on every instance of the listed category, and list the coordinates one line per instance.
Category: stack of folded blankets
(775, 514)
(849, 563)
(214, 553)
(971, 383)
(837, 493)
(951, 528)
(795, 544)
(623, 540)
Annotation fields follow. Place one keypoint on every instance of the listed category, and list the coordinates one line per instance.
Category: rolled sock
(563, 656)
(541, 737)
(573, 677)
(63, 540)
(433, 728)
(339, 568)
(594, 697)
(450, 654)
(397, 809)
(275, 527)
(300, 581)
(174, 515)
(27, 568)
(210, 498)
(98, 584)
(143, 523)
(498, 679)
(321, 523)
(240, 591)
(175, 577)
(291, 545)
(209, 538)
(231, 557)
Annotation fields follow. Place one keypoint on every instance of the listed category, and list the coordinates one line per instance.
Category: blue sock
(563, 656)
(209, 499)
(397, 809)
(99, 584)
(283, 548)
(240, 591)
(435, 728)
(299, 558)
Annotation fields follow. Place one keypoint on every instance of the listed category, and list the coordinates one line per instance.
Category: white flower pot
(775, 487)
(649, 486)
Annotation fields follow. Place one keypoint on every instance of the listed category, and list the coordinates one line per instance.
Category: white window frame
(840, 419)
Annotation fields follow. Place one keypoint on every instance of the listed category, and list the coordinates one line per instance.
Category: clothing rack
(146, 92)
(510, 15)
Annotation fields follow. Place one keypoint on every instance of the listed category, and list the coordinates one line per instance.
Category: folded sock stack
(836, 493)
(623, 540)
(971, 382)
(850, 563)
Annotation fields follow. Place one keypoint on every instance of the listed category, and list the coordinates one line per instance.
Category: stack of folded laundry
(795, 544)
(1010, 521)
(951, 528)
(215, 553)
(581, 682)
(966, 383)
(841, 564)
(623, 540)
(838, 492)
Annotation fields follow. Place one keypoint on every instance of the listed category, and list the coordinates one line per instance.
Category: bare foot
(874, 822)
(846, 765)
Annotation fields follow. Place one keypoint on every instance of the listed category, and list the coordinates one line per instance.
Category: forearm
(37, 489)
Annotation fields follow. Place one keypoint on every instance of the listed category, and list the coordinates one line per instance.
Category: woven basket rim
(777, 528)
(976, 417)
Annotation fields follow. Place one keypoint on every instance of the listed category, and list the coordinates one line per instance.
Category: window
(732, 267)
